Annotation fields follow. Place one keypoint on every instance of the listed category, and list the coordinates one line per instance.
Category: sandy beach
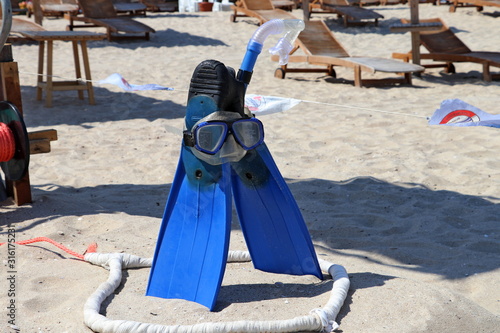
(410, 210)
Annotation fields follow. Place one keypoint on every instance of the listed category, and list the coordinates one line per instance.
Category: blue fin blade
(272, 224)
(191, 251)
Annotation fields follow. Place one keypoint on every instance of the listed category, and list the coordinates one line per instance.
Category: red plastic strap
(7, 143)
(45, 239)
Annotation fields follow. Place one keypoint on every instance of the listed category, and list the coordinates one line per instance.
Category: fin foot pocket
(212, 78)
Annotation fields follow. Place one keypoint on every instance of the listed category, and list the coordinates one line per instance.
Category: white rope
(98, 83)
(305, 101)
(365, 109)
(320, 320)
(238, 256)
(60, 77)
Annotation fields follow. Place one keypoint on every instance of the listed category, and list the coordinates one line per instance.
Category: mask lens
(248, 132)
(210, 137)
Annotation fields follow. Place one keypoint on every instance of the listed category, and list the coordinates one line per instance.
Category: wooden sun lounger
(351, 14)
(102, 13)
(263, 10)
(322, 48)
(287, 5)
(364, 3)
(127, 7)
(58, 8)
(161, 5)
(444, 46)
(479, 4)
(19, 24)
(16, 10)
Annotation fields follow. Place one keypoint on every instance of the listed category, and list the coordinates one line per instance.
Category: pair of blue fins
(223, 155)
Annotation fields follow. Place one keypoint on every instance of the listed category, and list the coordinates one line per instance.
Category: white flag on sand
(118, 80)
(455, 112)
(262, 105)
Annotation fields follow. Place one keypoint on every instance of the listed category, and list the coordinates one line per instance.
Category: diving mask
(224, 135)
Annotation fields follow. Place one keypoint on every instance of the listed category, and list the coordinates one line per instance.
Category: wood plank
(9, 84)
(50, 135)
(20, 190)
(62, 35)
(415, 35)
(39, 146)
(422, 26)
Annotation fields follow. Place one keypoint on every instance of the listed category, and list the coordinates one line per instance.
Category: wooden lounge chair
(364, 3)
(263, 10)
(287, 5)
(444, 46)
(479, 4)
(320, 47)
(102, 13)
(351, 14)
(161, 5)
(57, 8)
(16, 10)
(127, 7)
(18, 25)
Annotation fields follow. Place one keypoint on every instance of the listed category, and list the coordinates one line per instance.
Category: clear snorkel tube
(290, 28)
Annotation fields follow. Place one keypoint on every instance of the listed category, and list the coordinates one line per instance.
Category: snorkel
(290, 28)
(229, 94)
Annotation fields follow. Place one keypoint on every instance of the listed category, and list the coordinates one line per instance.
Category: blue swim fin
(272, 224)
(192, 246)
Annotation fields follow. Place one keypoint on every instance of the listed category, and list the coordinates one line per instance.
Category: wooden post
(37, 12)
(415, 27)
(10, 90)
(415, 35)
(305, 9)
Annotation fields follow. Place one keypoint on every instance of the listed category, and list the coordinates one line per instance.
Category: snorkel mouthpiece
(291, 29)
(284, 46)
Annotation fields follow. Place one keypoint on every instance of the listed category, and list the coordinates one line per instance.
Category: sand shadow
(160, 38)
(118, 106)
(473, 77)
(492, 14)
(406, 226)
(52, 201)
(239, 293)
(171, 37)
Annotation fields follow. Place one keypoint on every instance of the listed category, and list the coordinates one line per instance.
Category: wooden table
(49, 85)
